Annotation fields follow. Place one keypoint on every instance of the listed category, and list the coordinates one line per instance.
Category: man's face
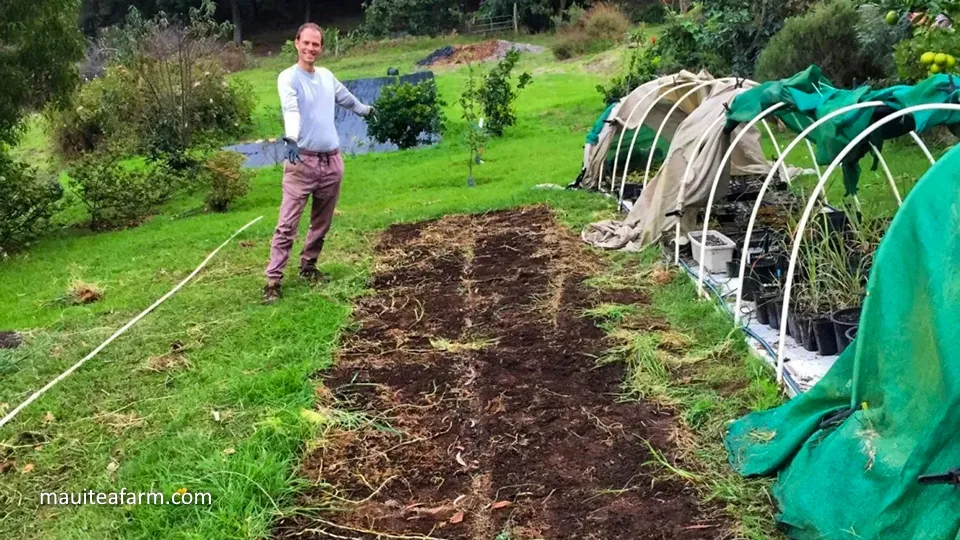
(309, 45)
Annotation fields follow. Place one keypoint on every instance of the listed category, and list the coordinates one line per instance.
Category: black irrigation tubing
(723, 307)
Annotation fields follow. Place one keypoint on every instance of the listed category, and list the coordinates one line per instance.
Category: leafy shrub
(827, 37)
(166, 91)
(605, 21)
(418, 17)
(118, 194)
(101, 111)
(574, 43)
(571, 17)
(654, 13)
(497, 94)
(724, 37)
(233, 57)
(689, 41)
(877, 38)
(737, 31)
(599, 29)
(407, 114)
(26, 203)
(227, 180)
(641, 67)
(907, 53)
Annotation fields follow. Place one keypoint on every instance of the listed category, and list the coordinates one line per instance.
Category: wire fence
(495, 25)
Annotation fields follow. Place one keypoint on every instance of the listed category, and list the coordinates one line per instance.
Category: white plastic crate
(716, 256)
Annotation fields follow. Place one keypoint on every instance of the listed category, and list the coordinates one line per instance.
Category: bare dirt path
(486, 414)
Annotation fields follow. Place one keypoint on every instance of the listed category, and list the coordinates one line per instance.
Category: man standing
(313, 164)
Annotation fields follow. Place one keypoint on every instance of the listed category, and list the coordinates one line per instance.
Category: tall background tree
(40, 44)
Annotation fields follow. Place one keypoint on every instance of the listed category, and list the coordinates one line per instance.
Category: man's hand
(372, 113)
(292, 152)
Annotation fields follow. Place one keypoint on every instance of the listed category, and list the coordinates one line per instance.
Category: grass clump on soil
(694, 362)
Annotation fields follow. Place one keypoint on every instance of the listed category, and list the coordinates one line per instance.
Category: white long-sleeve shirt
(307, 100)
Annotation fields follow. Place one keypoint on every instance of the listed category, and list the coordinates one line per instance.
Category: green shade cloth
(901, 377)
(641, 151)
(593, 137)
(810, 96)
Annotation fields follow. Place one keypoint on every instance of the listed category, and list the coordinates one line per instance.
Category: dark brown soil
(485, 411)
(10, 340)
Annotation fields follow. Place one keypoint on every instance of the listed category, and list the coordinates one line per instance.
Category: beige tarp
(648, 220)
(639, 102)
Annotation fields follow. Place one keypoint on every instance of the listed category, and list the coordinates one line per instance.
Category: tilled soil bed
(481, 411)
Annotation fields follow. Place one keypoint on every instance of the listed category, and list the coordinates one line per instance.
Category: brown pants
(318, 175)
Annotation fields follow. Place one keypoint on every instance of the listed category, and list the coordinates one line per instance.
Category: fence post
(516, 24)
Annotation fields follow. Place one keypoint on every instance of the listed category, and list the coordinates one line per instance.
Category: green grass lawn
(224, 416)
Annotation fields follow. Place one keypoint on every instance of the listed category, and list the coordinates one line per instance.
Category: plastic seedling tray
(719, 250)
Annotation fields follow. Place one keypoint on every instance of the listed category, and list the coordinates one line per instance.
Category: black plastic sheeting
(439, 54)
(351, 127)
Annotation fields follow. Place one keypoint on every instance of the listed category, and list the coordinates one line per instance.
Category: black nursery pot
(843, 320)
(825, 336)
(793, 325)
(763, 316)
(773, 312)
(851, 333)
(733, 268)
(807, 337)
(631, 192)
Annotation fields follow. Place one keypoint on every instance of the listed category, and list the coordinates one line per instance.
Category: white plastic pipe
(886, 171)
(766, 184)
(716, 181)
(776, 146)
(36, 395)
(805, 218)
(636, 133)
(663, 124)
(926, 151)
(681, 196)
(623, 131)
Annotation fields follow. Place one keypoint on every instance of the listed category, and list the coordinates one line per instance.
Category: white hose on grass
(6, 419)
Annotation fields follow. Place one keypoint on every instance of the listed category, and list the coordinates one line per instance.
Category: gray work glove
(372, 113)
(291, 151)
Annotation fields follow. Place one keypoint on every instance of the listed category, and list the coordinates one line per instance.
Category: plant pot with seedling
(844, 320)
(774, 308)
(807, 338)
(825, 336)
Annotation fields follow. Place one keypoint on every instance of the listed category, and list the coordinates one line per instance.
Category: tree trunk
(237, 30)
(308, 4)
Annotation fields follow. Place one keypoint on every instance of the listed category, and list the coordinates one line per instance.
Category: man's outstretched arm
(348, 101)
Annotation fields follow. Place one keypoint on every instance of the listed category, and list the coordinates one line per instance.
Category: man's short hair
(312, 26)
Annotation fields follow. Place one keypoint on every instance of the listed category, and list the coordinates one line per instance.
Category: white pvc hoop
(636, 133)
(766, 184)
(623, 131)
(666, 118)
(681, 196)
(781, 162)
(716, 180)
(926, 151)
(886, 171)
(804, 219)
